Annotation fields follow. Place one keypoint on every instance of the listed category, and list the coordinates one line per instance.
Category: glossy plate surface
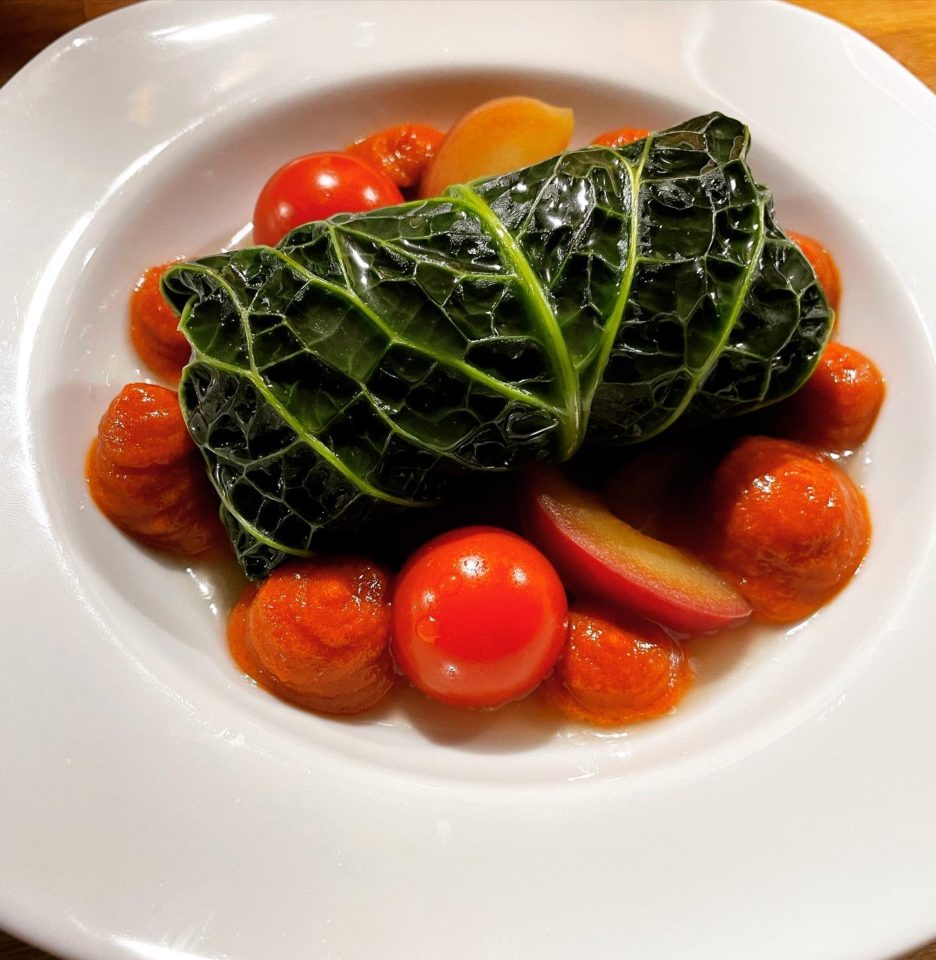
(156, 805)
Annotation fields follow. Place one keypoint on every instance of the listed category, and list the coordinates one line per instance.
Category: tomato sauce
(238, 635)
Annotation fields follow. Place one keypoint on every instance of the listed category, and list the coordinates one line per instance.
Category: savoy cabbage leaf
(374, 361)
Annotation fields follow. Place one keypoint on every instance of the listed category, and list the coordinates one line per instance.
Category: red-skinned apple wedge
(599, 555)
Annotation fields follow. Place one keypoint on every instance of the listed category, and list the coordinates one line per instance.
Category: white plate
(155, 805)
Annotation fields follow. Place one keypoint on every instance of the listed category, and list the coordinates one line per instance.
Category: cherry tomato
(479, 617)
(315, 187)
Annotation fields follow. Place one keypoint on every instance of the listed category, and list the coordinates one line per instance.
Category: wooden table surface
(906, 29)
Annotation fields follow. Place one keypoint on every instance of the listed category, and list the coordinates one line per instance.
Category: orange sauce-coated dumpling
(612, 672)
(787, 525)
(824, 265)
(154, 328)
(146, 476)
(621, 137)
(317, 633)
(402, 152)
(837, 406)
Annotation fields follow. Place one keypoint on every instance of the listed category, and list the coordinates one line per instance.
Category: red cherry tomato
(316, 186)
(479, 617)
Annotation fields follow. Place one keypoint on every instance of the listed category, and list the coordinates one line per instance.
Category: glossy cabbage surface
(378, 361)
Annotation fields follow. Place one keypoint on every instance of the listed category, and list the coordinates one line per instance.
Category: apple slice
(598, 554)
(496, 137)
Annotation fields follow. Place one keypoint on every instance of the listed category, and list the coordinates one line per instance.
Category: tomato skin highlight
(479, 617)
(315, 187)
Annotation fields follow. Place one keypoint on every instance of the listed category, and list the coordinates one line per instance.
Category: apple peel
(600, 555)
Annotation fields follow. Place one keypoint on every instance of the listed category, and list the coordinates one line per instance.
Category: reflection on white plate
(157, 804)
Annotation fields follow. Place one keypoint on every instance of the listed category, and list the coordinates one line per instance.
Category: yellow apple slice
(496, 137)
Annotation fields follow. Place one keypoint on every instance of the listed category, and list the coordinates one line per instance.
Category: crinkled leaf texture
(375, 361)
